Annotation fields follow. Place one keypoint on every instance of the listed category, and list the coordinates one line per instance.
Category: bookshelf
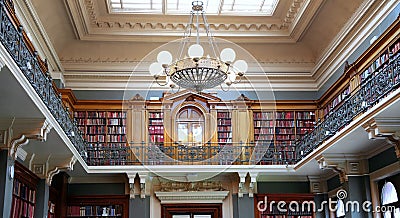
(53, 196)
(156, 127)
(105, 132)
(336, 101)
(24, 192)
(295, 201)
(280, 129)
(52, 210)
(224, 127)
(98, 206)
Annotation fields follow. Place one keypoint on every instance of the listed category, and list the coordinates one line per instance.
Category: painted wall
(381, 160)
(283, 187)
(96, 189)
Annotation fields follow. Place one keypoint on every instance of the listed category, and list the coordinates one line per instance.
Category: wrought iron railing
(176, 153)
(374, 88)
(16, 43)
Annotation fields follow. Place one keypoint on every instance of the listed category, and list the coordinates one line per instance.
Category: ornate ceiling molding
(192, 197)
(93, 22)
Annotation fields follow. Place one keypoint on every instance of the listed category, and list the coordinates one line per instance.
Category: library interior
(200, 109)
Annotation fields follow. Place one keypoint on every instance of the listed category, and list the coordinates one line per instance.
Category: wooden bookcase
(105, 132)
(115, 206)
(156, 127)
(53, 197)
(295, 201)
(224, 127)
(279, 130)
(24, 192)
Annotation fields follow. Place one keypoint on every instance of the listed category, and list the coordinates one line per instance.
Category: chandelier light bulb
(195, 51)
(164, 57)
(227, 55)
(155, 68)
(241, 65)
(232, 76)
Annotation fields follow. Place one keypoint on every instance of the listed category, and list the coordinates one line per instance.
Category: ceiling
(297, 48)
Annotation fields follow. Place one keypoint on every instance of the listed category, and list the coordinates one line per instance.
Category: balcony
(375, 87)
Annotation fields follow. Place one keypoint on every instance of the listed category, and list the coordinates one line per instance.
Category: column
(139, 207)
(245, 207)
(6, 183)
(322, 207)
(358, 191)
(42, 199)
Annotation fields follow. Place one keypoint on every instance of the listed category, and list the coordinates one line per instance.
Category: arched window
(389, 198)
(389, 194)
(340, 212)
(190, 126)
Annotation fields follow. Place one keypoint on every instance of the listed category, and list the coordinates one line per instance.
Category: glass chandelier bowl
(192, 69)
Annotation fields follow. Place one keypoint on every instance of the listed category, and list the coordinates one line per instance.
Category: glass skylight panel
(137, 6)
(249, 7)
(212, 7)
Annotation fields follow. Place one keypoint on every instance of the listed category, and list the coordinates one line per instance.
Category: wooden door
(191, 210)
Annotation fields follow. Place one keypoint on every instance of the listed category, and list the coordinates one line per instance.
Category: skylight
(212, 7)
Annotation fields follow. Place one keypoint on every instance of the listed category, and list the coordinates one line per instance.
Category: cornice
(355, 32)
(90, 25)
(31, 22)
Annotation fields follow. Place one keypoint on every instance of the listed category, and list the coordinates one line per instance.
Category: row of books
(156, 122)
(269, 130)
(156, 138)
(263, 137)
(101, 161)
(224, 128)
(284, 130)
(102, 138)
(99, 114)
(285, 123)
(94, 121)
(109, 146)
(156, 130)
(284, 115)
(224, 135)
(96, 138)
(285, 137)
(156, 115)
(336, 101)
(116, 138)
(116, 115)
(302, 131)
(260, 123)
(116, 121)
(22, 208)
(224, 122)
(96, 130)
(305, 123)
(23, 191)
(225, 140)
(263, 116)
(116, 130)
(107, 154)
(305, 115)
(112, 210)
(224, 115)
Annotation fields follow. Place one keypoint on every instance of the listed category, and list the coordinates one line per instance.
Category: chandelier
(198, 71)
